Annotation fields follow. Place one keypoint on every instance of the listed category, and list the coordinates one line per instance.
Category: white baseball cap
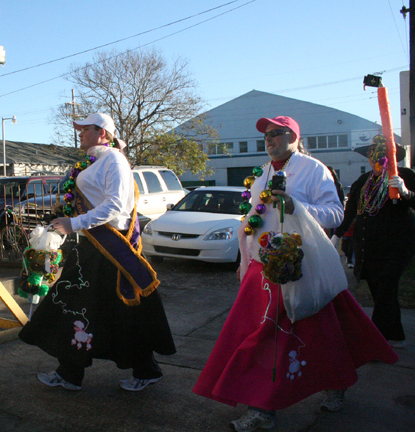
(103, 121)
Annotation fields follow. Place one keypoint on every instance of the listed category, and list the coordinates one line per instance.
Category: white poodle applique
(295, 365)
(81, 337)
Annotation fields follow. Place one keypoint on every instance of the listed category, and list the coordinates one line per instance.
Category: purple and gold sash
(136, 277)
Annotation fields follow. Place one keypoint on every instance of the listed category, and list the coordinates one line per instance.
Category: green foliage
(179, 154)
(185, 151)
(148, 98)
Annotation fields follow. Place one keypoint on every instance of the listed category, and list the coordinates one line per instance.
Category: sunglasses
(275, 132)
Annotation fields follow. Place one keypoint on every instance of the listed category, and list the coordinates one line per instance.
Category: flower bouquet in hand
(40, 263)
(281, 255)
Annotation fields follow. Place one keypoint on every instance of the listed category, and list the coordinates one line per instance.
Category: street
(197, 298)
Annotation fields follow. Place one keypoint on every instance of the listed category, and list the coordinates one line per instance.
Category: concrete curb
(12, 285)
(9, 335)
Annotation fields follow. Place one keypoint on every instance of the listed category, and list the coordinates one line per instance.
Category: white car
(202, 226)
(158, 187)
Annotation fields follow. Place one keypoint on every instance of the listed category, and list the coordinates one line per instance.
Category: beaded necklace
(255, 221)
(374, 194)
(69, 186)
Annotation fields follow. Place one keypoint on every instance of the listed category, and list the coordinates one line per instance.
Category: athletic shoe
(397, 344)
(334, 400)
(136, 384)
(52, 379)
(252, 421)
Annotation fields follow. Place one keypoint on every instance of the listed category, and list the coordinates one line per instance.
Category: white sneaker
(334, 400)
(252, 421)
(397, 344)
(136, 384)
(52, 379)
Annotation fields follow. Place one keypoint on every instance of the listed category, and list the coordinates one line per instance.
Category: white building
(330, 135)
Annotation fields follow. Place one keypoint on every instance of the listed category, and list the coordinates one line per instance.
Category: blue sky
(317, 51)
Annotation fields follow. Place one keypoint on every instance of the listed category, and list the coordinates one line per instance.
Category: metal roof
(47, 154)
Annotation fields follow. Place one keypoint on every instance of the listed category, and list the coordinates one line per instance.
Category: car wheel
(157, 259)
(13, 242)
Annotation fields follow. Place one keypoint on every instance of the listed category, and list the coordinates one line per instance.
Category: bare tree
(147, 99)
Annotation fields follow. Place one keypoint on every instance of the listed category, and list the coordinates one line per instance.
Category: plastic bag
(42, 239)
(323, 274)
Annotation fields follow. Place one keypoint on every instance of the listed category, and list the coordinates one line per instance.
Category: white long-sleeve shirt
(311, 183)
(108, 184)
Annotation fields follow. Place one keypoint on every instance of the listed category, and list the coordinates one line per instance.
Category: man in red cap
(282, 137)
(294, 329)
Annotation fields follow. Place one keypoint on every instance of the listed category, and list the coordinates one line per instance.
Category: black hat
(400, 151)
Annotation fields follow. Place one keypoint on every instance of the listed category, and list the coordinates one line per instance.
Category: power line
(396, 26)
(316, 85)
(141, 46)
(335, 82)
(120, 40)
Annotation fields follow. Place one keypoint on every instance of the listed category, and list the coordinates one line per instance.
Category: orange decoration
(387, 130)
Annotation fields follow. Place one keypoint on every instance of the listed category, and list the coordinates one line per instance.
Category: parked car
(202, 226)
(15, 189)
(158, 186)
(18, 191)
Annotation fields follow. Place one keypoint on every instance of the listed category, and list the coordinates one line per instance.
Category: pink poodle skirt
(317, 353)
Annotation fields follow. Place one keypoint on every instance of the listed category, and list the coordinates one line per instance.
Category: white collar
(98, 150)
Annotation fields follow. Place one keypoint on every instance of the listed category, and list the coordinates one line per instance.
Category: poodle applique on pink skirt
(313, 354)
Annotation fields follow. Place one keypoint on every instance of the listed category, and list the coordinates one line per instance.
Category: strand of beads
(255, 221)
(69, 186)
(374, 194)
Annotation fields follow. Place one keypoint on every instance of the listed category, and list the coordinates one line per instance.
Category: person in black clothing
(340, 193)
(339, 186)
(384, 234)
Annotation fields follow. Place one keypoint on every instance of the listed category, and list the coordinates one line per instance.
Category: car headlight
(221, 234)
(147, 229)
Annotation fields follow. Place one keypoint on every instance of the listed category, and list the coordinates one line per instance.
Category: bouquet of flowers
(40, 263)
(281, 255)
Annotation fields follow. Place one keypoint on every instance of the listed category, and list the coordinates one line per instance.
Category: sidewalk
(382, 400)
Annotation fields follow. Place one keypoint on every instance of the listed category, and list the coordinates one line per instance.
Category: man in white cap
(106, 286)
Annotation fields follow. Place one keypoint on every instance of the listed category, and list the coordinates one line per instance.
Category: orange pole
(387, 129)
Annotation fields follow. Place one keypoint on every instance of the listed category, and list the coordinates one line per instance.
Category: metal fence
(21, 210)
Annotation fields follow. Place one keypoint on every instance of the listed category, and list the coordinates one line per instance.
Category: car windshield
(12, 187)
(210, 202)
(59, 187)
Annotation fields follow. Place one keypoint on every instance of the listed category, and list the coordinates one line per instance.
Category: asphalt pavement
(197, 299)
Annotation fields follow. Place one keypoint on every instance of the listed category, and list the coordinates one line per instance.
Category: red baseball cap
(288, 122)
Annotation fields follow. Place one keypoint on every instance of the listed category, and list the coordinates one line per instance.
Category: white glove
(398, 183)
(335, 241)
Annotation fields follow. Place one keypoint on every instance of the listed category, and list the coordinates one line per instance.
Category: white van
(158, 186)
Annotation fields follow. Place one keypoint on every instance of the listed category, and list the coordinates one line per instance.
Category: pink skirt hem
(317, 353)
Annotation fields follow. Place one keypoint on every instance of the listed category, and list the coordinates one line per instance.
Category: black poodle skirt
(82, 317)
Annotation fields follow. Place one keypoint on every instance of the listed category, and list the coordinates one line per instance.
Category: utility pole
(404, 11)
(74, 115)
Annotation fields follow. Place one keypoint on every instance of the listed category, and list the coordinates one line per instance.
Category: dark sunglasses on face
(274, 133)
